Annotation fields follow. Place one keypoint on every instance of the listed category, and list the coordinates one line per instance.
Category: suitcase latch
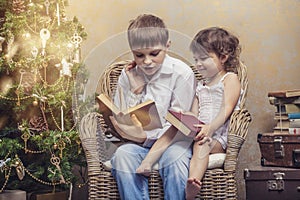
(296, 157)
(278, 147)
(278, 183)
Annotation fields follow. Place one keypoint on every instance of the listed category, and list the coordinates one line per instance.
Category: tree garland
(39, 61)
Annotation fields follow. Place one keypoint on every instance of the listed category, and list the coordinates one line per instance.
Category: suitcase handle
(296, 157)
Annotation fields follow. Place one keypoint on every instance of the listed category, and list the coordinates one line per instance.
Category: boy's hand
(136, 80)
(133, 132)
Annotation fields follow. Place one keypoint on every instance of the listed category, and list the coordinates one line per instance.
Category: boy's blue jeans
(173, 168)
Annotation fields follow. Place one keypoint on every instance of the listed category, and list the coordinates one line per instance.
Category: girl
(216, 53)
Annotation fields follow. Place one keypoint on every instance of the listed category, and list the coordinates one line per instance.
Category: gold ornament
(19, 168)
(2, 39)
(20, 171)
(61, 146)
(35, 103)
(6, 57)
(45, 65)
(56, 161)
(25, 136)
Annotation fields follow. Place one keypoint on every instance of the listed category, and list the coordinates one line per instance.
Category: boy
(171, 84)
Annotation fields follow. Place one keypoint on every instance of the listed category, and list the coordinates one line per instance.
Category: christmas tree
(39, 62)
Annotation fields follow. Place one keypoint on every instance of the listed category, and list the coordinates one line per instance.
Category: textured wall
(269, 32)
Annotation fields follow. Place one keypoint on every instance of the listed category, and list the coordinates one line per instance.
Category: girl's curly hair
(221, 42)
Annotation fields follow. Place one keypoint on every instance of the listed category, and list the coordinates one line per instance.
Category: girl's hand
(136, 80)
(204, 135)
(188, 113)
(204, 140)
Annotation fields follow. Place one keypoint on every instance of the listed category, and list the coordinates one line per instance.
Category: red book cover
(188, 120)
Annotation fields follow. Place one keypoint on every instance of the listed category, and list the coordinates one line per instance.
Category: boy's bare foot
(192, 188)
(144, 169)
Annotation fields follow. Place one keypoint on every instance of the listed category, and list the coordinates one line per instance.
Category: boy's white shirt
(173, 87)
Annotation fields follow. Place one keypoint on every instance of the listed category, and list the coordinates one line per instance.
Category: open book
(146, 113)
(184, 122)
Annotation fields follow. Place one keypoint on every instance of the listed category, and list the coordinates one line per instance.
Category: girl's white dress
(210, 102)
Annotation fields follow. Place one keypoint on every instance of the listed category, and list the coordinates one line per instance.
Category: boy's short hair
(147, 31)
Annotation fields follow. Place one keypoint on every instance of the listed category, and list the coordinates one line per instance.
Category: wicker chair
(218, 183)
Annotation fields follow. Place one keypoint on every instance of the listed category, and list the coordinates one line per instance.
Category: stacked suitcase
(278, 177)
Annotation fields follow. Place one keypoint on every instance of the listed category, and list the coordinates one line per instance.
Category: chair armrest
(92, 140)
(238, 130)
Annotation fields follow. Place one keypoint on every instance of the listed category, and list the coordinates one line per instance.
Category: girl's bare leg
(200, 155)
(198, 166)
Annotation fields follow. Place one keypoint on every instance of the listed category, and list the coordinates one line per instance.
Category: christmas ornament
(25, 136)
(30, 3)
(35, 103)
(11, 48)
(17, 91)
(66, 68)
(70, 50)
(19, 168)
(47, 4)
(2, 39)
(45, 65)
(57, 14)
(40, 97)
(61, 146)
(22, 72)
(56, 161)
(3, 163)
(64, 16)
(26, 36)
(45, 35)
(18, 6)
(76, 40)
(37, 124)
(62, 118)
(34, 52)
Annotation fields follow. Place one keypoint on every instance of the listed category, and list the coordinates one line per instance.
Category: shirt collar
(166, 68)
(167, 65)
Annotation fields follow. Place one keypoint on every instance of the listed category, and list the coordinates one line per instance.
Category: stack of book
(287, 112)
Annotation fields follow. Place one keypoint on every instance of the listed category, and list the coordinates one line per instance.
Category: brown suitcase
(282, 150)
(272, 183)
